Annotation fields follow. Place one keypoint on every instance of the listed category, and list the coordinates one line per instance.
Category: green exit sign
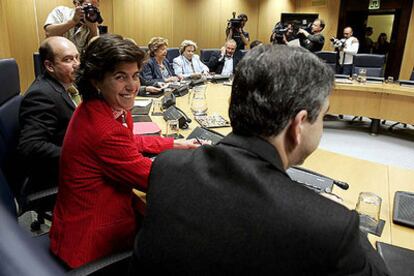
(374, 4)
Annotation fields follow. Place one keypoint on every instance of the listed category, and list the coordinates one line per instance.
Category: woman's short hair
(155, 43)
(102, 56)
(187, 43)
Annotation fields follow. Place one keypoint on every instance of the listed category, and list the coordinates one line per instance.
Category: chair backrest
(243, 52)
(9, 79)
(20, 255)
(172, 53)
(9, 123)
(37, 64)
(374, 64)
(205, 54)
(144, 48)
(6, 196)
(329, 58)
(412, 76)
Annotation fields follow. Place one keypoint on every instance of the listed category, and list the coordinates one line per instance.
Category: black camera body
(92, 13)
(282, 29)
(235, 23)
(338, 43)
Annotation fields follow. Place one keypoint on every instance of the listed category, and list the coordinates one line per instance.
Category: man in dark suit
(225, 62)
(45, 113)
(231, 208)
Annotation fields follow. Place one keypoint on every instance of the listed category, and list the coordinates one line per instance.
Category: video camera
(291, 32)
(234, 23)
(92, 13)
(338, 43)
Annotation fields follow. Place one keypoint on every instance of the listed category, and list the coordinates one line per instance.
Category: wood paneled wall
(407, 65)
(204, 21)
(329, 12)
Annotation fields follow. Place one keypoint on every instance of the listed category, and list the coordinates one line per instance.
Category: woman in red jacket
(101, 160)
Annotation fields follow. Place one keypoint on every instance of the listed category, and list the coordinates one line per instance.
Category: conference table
(362, 176)
(388, 101)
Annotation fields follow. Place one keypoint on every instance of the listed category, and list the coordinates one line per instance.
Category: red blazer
(100, 163)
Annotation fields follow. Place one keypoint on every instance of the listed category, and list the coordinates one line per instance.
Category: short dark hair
(321, 23)
(255, 43)
(46, 52)
(103, 55)
(243, 16)
(272, 84)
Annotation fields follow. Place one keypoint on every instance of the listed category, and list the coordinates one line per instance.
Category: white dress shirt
(346, 56)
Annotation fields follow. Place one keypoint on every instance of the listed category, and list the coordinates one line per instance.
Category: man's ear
(49, 66)
(295, 129)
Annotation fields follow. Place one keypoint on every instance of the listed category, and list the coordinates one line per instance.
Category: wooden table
(378, 101)
(363, 176)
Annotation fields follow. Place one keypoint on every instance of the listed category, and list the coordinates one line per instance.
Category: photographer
(235, 31)
(347, 48)
(314, 40)
(73, 23)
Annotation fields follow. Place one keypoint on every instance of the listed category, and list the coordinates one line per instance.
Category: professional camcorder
(234, 23)
(92, 13)
(338, 43)
(289, 29)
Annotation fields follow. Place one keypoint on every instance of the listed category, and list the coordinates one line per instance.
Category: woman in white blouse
(188, 64)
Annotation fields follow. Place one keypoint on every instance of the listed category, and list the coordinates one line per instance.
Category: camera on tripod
(92, 13)
(338, 43)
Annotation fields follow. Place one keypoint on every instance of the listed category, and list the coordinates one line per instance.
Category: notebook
(146, 128)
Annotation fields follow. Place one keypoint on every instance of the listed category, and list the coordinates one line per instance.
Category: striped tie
(74, 94)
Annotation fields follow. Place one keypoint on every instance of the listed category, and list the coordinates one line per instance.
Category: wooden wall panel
(142, 19)
(269, 15)
(328, 12)
(407, 65)
(106, 8)
(22, 37)
(4, 33)
(43, 8)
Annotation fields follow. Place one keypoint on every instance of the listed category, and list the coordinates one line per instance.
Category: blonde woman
(158, 69)
(188, 64)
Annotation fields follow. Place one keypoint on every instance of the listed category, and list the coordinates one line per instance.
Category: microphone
(341, 184)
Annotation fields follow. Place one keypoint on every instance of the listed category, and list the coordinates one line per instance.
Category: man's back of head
(272, 83)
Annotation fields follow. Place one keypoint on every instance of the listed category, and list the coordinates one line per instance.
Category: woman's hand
(171, 79)
(152, 89)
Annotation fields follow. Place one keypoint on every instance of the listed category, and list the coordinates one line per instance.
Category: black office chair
(20, 255)
(374, 64)
(172, 53)
(205, 54)
(37, 65)
(10, 99)
(329, 58)
(412, 76)
(144, 48)
(243, 52)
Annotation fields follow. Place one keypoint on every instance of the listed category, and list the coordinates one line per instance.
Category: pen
(198, 141)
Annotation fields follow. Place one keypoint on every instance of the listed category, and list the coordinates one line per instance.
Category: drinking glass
(369, 208)
(362, 75)
(156, 107)
(199, 101)
(390, 79)
(172, 128)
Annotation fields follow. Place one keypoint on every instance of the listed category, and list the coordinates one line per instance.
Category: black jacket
(44, 116)
(216, 62)
(314, 42)
(232, 209)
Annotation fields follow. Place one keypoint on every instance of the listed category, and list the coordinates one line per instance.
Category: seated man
(225, 62)
(46, 110)
(232, 208)
(71, 23)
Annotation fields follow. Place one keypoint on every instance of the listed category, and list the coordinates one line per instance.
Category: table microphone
(341, 184)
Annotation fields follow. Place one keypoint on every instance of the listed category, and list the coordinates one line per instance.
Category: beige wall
(329, 12)
(407, 65)
(204, 21)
